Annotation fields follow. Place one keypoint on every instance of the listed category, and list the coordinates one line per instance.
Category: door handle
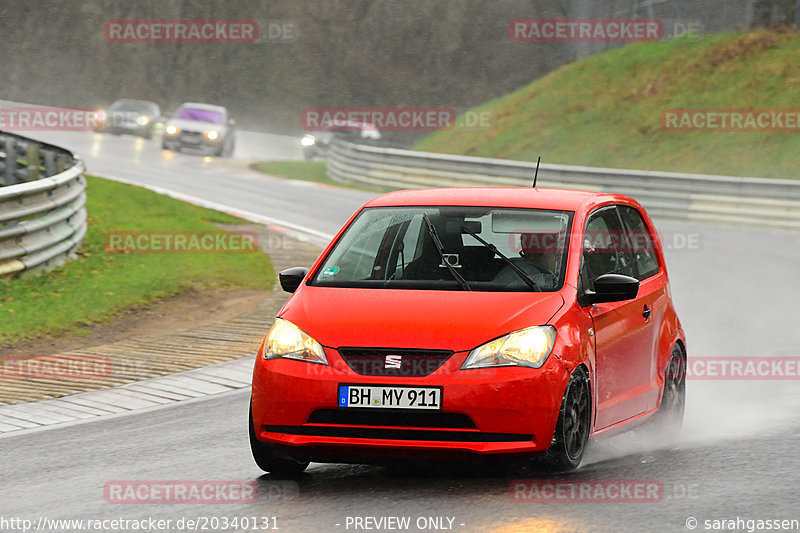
(646, 312)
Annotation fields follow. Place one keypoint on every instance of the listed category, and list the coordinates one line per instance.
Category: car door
(653, 291)
(623, 336)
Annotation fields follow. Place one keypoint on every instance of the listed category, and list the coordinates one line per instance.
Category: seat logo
(393, 361)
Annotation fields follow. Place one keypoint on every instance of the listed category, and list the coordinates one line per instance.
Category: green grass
(98, 284)
(309, 171)
(605, 110)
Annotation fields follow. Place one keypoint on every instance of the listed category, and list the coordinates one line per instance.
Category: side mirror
(291, 278)
(611, 288)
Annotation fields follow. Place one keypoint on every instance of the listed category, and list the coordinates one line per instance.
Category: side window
(359, 260)
(640, 243)
(603, 250)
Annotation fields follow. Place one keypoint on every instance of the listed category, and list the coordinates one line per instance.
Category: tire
(268, 461)
(669, 417)
(572, 430)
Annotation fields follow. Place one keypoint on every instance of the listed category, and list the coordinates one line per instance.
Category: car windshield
(205, 115)
(392, 248)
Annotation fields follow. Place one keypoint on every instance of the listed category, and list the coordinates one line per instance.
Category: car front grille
(394, 363)
(191, 137)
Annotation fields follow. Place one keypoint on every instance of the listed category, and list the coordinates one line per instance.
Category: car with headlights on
(317, 143)
(200, 128)
(127, 116)
(474, 322)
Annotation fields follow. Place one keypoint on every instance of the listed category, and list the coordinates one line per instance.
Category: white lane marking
(140, 396)
(19, 424)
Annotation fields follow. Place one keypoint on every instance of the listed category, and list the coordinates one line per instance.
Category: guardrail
(757, 202)
(42, 197)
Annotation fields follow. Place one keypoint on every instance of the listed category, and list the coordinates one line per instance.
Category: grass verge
(606, 110)
(98, 284)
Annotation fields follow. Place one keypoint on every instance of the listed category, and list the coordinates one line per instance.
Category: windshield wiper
(438, 243)
(521, 273)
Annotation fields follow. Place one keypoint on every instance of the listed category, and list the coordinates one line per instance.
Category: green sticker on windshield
(330, 271)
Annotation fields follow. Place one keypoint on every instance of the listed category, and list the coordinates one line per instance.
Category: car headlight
(142, 120)
(526, 347)
(212, 135)
(172, 129)
(285, 340)
(100, 115)
(308, 140)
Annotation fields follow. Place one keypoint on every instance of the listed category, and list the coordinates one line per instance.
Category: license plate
(390, 397)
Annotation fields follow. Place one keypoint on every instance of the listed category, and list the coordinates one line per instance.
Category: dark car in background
(200, 128)
(317, 143)
(133, 117)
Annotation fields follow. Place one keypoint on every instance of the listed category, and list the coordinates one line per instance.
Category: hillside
(607, 110)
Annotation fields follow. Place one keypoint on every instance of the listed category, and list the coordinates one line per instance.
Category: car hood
(397, 318)
(200, 126)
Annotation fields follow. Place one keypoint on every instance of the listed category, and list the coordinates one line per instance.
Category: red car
(456, 323)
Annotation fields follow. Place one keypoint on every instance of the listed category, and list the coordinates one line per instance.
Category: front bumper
(197, 143)
(508, 410)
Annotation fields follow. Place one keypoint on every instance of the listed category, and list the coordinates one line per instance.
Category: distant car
(202, 128)
(316, 143)
(487, 322)
(134, 117)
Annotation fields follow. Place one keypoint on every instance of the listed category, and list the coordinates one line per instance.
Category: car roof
(197, 105)
(519, 197)
(133, 101)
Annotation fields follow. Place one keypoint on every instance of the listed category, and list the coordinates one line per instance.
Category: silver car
(200, 128)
